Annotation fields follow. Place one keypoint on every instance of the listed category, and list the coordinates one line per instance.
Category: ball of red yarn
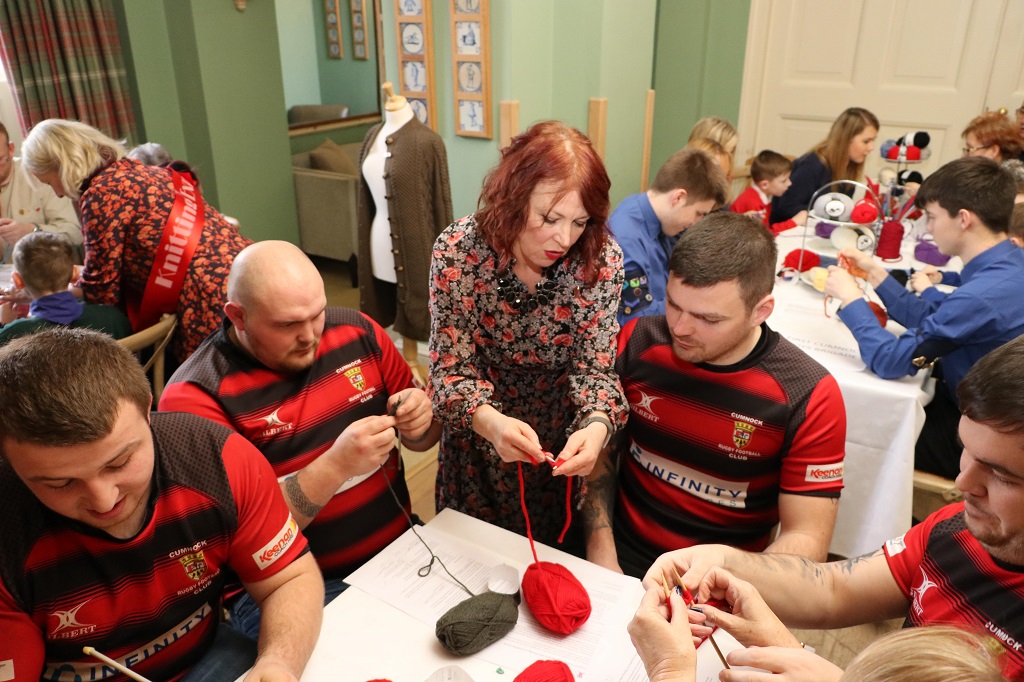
(792, 260)
(546, 671)
(889, 240)
(556, 598)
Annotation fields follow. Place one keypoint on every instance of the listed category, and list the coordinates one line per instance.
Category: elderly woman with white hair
(152, 245)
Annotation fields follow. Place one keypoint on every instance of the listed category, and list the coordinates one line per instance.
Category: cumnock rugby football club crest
(355, 375)
(741, 433)
(194, 564)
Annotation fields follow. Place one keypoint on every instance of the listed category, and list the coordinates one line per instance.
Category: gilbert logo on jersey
(194, 565)
(275, 424)
(642, 407)
(68, 625)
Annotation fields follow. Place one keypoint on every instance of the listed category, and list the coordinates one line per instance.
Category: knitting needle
(392, 411)
(89, 651)
(719, 652)
(551, 459)
(690, 600)
(668, 595)
(687, 597)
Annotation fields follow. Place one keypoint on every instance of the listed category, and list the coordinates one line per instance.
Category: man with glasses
(27, 205)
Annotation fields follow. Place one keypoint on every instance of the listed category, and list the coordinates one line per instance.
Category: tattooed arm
(597, 512)
(803, 593)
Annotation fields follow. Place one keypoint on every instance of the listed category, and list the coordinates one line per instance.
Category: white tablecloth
(884, 417)
(364, 638)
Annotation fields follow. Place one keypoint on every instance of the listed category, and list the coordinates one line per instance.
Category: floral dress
(124, 209)
(547, 362)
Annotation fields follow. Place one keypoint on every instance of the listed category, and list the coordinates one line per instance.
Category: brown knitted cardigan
(419, 207)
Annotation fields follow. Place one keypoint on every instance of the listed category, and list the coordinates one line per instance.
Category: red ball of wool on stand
(889, 240)
(556, 598)
(546, 671)
(792, 260)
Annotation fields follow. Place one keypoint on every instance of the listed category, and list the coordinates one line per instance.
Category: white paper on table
(391, 576)
(802, 321)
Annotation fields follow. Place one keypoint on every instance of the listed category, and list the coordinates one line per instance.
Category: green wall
(210, 89)
(698, 68)
(348, 80)
(552, 56)
(295, 26)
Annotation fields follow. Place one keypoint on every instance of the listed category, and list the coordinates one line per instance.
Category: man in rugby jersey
(732, 429)
(321, 392)
(961, 566)
(120, 528)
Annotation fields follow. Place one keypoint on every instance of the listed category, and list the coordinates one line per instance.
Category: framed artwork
(332, 26)
(359, 28)
(414, 30)
(471, 67)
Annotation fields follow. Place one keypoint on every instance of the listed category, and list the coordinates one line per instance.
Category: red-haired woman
(522, 341)
(993, 135)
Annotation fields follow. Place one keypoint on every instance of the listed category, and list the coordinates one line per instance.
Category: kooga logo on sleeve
(278, 546)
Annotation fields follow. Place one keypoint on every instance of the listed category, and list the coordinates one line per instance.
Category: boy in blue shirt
(44, 266)
(687, 187)
(968, 203)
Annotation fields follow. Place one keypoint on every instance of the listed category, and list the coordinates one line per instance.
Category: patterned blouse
(548, 364)
(123, 210)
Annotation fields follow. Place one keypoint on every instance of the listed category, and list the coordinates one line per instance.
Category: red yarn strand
(526, 514)
(568, 508)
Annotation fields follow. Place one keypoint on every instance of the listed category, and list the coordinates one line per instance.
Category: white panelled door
(917, 64)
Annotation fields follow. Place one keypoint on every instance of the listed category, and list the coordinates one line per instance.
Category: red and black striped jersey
(152, 602)
(293, 418)
(708, 448)
(950, 579)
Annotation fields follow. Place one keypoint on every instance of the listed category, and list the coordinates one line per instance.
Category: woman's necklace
(513, 291)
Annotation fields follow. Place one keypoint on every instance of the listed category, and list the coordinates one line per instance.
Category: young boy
(769, 176)
(44, 266)
(968, 203)
(686, 188)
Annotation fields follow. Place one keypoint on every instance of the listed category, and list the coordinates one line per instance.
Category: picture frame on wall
(332, 29)
(357, 9)
(471, 67)
(414, 32)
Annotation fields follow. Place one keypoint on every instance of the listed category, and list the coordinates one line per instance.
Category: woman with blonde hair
(924, 654)
(716, 151)
(992, 135)
(840, 156)
(717, 130)
(152, 245)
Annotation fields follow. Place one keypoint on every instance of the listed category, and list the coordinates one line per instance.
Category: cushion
(329, 157)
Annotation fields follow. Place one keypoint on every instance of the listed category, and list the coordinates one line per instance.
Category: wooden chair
(156, 337)
(931, 493)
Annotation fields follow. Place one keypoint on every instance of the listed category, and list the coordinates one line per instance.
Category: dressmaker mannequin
(404, 203)
(397, 113)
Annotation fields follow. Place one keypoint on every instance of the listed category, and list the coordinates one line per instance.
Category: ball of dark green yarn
(471, 625)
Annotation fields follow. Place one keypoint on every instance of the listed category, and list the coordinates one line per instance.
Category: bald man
(320, 392)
